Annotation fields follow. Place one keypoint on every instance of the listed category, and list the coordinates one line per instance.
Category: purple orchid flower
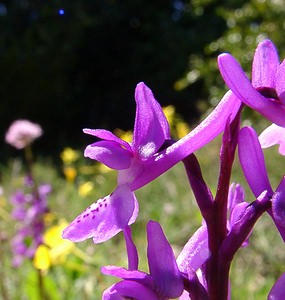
(253, 164)
(140, 162)
(266, 92)
(164, 280)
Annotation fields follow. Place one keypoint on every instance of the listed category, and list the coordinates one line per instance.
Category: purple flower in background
(29, 210)
(253, 165)
(266, 92)
(164, 280)
(140, 162)
(22, 133)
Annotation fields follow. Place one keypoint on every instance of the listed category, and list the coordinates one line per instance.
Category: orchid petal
(252, 161)
(235, 217)
(241, 86)
(280, 82)
(151, 126)
(237, 212)
(206, 131)
(236, 196)
(126, 274)
(107, 136)
(105, 218)
(129, 289)
(273, 135)
(110, 154)
(162, 264)
(278, 291)
(264, 66)
(132, 251)
(195, 252)
(278, 204)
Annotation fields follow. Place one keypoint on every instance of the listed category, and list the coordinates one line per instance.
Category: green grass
(168, 200)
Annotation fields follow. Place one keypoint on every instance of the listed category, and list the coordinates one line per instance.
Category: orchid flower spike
(140, 162)
(164, 280)
(253, 164)
(266, 92)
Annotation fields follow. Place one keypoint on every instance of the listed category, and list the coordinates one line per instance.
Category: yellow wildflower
(68, 155)
(69, 173)
(54, 249)
(85, 188)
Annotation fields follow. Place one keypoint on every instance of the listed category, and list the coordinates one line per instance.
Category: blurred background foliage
(73, 64)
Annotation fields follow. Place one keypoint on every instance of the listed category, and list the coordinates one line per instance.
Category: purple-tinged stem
(217, 270)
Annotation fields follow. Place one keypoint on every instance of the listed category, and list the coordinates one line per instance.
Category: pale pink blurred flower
(22, 133)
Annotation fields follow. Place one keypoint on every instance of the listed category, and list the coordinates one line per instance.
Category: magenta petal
(195, 252)
(126, 274)
(105, 218)
(110, 154)
(107, 136)
(236, 196)
(236, 215)
(237, 81)
(280, 82)
(278, 290)
(278, 204)
(252, 161)
(273, 135)
(264, 66)
(151, 127)
(133, 257)
(128, 289)
(237, 212)
(162, 264)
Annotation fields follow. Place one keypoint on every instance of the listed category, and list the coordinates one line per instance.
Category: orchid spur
(164, 280)
(150, 154)
(266, 92)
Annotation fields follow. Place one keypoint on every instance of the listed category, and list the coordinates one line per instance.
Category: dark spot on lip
(268, 92)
